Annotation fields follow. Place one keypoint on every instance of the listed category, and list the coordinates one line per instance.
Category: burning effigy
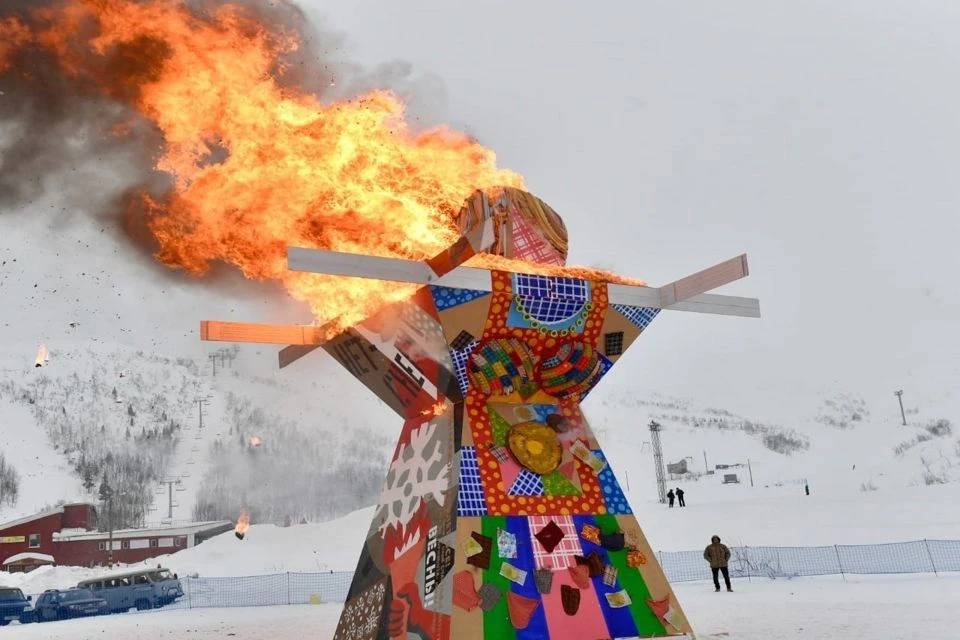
(500, 513)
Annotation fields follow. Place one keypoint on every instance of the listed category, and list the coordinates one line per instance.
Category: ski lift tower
(658, 460)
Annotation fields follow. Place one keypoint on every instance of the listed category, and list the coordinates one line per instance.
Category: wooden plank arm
(216, 330)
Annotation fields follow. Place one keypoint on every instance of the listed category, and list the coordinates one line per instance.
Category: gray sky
(820, 137)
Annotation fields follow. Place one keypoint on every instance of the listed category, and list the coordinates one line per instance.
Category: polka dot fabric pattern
(445, 297)
(612, 493)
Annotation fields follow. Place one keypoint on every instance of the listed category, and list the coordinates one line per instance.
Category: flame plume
(256, 165)
(243, 523)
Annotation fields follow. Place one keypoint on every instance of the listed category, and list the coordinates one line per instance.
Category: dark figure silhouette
(670, 497)
(680, 497)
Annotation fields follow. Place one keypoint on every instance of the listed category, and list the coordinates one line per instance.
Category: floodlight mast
(658, 460)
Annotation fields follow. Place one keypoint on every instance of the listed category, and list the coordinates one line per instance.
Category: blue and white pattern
(612, 493)
(470, 500)
(459, 357)
(638, 316)
(526, 484)
(446, 297)
(550, 287)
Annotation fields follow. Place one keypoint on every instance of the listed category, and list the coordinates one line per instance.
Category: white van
(144, 589)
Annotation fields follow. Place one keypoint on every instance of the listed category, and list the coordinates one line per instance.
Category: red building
(68, 534)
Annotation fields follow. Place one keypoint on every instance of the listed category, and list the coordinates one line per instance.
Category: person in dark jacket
(718, 555)
(670, 497)
(680, 497)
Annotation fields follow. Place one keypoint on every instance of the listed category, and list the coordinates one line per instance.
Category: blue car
(13, 606)
(70, 603)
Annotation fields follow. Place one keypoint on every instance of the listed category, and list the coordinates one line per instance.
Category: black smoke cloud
(92, 152)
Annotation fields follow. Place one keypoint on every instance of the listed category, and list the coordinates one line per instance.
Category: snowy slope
(45, 476)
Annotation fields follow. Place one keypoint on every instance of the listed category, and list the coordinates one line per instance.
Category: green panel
(555, 484)
(630, 579)
(499, 426)
(496, 623)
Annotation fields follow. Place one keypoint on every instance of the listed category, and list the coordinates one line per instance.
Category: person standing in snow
(680, 497)
(718, 555)
(670, 497)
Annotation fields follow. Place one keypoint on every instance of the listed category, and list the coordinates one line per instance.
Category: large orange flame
(257, 166)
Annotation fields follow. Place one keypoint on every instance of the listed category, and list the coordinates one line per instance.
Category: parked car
(143, 589)
(13, 604)
(54, 604)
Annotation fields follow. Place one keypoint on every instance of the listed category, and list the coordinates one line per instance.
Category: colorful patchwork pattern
(612, 493)
(526, 484)
(640, 316)
(605, 365)
(564, 554)
(571, 369)
(470, 501)
(502, 366)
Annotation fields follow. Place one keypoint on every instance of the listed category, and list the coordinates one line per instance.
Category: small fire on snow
(42, 356)
(255, 441)
(243, 523)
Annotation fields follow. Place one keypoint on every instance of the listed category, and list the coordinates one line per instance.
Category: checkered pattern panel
(612, 493)
(552, 310)
(529, 244)
(526, 484)
(550, 287)
(564, 554)
(459, 357)
(470, 500)
(464, 338)
(445, 297)
(639, 316)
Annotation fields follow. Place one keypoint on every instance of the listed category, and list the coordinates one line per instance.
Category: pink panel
(588, 621)
(564, 554)
(509, 470)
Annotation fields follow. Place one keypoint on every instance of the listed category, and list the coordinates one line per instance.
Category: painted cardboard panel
(467, 369)
(614, 323)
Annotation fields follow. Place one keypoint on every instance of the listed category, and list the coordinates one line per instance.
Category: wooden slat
(703, 281)
(215, 330)
(679, 292)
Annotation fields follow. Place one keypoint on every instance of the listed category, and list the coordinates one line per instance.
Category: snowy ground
(893, 608)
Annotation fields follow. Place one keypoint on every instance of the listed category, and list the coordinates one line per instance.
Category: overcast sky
(820, 137)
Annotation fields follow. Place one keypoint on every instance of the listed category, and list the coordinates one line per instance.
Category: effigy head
(527, 227)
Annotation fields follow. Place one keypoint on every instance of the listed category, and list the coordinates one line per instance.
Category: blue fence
(920, 556)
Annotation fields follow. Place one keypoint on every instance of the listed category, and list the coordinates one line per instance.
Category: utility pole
(213, 359)
(170, 484)
(658, 460)
(110, 535)
(201, 401)
(750, 469)
(706, 467)
(903, 414)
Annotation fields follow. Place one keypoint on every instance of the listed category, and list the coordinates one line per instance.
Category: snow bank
(266, 549)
